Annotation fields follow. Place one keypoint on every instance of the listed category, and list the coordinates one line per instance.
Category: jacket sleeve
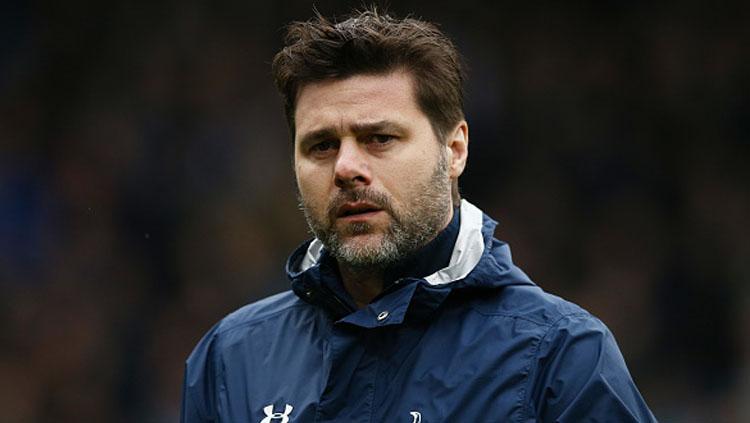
(581, 376)
(199, 385)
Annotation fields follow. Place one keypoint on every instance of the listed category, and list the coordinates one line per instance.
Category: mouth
(357, 209)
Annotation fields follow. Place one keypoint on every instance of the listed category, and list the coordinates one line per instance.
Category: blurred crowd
(146, 186)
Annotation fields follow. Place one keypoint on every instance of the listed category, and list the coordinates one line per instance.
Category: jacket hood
(478, 260)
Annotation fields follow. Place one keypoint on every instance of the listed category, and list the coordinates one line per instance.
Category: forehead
(355, 100)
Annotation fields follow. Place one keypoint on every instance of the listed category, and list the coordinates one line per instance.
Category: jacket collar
(477, 261)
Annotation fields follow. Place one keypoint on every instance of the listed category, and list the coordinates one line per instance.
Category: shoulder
(262, 314)
(204, 364)
(532, 304)
(554, 326)
(261, 311)
(256, 318)
(575, 368)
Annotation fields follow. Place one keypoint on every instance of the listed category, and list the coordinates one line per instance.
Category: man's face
(373, 179)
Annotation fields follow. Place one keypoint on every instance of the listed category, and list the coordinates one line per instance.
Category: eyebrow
(356, 128)
(380, 126)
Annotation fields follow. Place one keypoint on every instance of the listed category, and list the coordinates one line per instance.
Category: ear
(457, 145)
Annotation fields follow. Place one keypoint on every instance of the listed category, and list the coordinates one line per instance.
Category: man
(404, 307)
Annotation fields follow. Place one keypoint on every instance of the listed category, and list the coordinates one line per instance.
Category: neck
(362, 284)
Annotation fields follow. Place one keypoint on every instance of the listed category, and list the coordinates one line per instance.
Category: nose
(352, 168)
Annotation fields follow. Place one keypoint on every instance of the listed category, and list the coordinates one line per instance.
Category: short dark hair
(369, 42)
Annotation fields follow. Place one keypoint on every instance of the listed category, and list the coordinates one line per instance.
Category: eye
(322, 147)
(381, 139)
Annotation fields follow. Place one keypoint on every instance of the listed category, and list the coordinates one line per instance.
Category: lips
(359, 208)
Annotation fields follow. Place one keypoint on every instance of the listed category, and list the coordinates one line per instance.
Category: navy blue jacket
(475, 341)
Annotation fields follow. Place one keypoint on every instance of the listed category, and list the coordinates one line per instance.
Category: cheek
(402, 177)
(311, 187)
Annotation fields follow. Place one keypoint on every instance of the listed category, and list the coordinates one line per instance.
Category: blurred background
(146, 187)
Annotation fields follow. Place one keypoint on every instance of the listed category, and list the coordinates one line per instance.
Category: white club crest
(417, 416)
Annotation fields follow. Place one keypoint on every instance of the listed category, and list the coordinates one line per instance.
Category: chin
(366, 241)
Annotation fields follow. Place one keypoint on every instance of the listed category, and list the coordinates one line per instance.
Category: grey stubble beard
(410, 229)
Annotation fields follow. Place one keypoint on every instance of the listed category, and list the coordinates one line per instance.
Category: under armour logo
(417, 416)
(270, 415)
